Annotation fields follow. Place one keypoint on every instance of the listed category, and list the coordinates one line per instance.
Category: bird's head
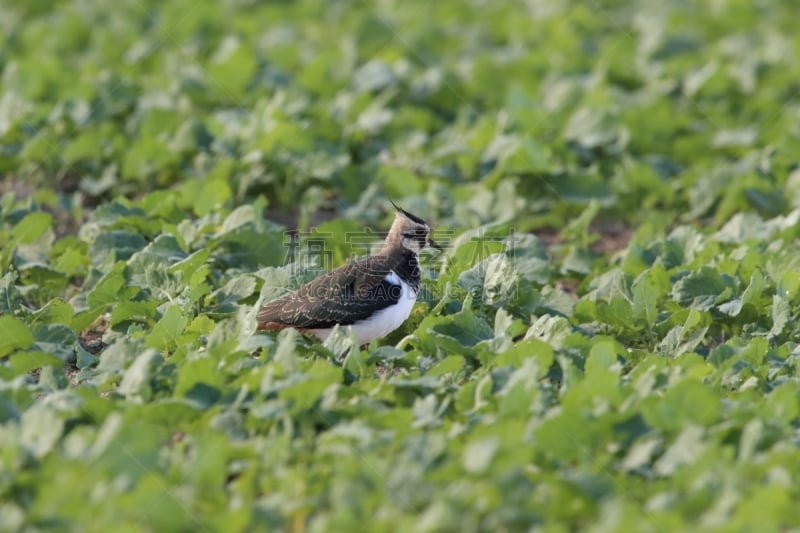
(410, 232)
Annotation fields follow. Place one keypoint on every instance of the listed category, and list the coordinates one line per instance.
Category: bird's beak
(434, 244)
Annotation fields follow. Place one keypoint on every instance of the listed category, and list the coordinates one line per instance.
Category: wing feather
(344, 296)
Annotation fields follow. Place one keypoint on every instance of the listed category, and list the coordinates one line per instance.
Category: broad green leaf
(111, 246)
(140, 311)
(235, 290)
(602, 372)
(750, 296)
(687, 402)
(550, 329)
(648, 289)
(307, 391)
(213, 194)
(248, 249)
(700, 290)
(373, 75)
(107, 290)
(56, 311)
(138, 380)
(689, 444)
(618, 313)
(56, 339)
(583, 189)
(232, 68)
(531, 348)
(478, 455)
(448, 365)
(784, 402)
(166, 332)
(41, 428)
(640, 455)
(780, 315)
(32, 227)
(9, 293)
(48, 281)
(145, 157)
(200, 382)
(567, 437)
(492, 281)
(16, 335)
(23, 362)
(458, 332)
(164, 250)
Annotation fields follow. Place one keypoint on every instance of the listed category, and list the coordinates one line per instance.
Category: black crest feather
(415, 218)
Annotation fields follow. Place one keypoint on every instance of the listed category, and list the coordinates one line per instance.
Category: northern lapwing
(374, 295)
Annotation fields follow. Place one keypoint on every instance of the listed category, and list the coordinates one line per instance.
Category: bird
(374, 295)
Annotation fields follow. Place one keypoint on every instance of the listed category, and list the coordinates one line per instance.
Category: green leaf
(781, 312)
(583, 189)
(687, 402)
(56, 311)
(648, 289)
(141, 311)
(16, 335)
(138, 380)
(609, 340)
(784, 402)
(213, 194)
(550, 329)
(232, 68)
(448, 365)
(307, 391)
(249, 249)
(567, 437)
(750, 296)
(164, 250)
(10, 297)
(41, 429)
(618, 313)
(107, 290)
(689, 444)
(578, 228)
(83, 146)
(23, 362)
(700, 290)
(235, 290)
(200, 382)
(32, 227)
(148, 268)
(478, 455)
(145, 157)
(640, 455)
(373, 76)
(534, 349)
(458, 332)
(111, 246)
(493, 281)
(56, 339)
(594, 128)
(167, 331)
(48, 281)
(602, 371)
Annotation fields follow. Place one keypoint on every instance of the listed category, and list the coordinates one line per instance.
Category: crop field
(608, 341)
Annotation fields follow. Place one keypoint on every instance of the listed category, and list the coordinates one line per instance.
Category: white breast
(386, 320)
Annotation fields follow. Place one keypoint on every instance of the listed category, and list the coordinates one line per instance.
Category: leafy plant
(608, 341)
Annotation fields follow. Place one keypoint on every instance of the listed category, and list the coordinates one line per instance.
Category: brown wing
(344, 296)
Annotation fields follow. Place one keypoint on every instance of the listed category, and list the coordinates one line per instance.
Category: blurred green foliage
(609, 342)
